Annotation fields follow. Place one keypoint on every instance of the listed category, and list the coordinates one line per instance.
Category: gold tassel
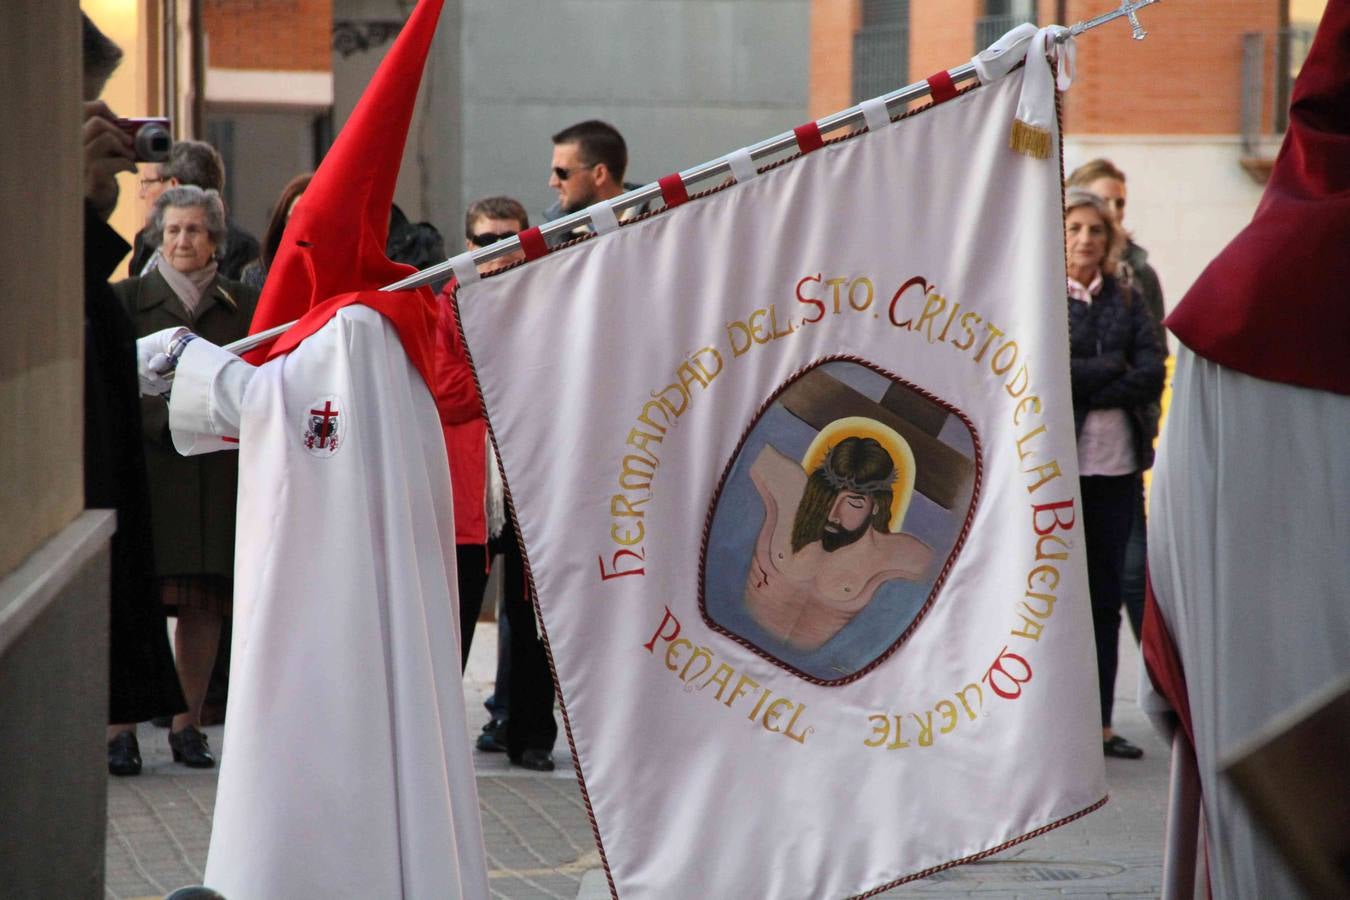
(1029, 140)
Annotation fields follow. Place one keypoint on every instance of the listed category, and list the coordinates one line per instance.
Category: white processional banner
(794, 469)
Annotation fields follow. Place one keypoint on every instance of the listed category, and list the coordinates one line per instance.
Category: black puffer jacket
(1116, 362)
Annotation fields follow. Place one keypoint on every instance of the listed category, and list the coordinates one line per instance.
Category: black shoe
(493, 738)
(1120, 748)
(124, 754)
(189, 748)
(535, 761)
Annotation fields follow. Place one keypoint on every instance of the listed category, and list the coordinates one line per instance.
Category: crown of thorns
(840, 482)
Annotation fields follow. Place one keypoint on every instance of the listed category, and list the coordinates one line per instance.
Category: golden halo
(902, 489)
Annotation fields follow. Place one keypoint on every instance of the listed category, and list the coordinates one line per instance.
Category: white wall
(1188, 197)
(683, 81)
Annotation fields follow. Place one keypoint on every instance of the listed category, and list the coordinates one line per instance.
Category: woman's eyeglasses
(491, 237)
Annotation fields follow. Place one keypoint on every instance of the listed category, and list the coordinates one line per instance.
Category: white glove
(153, 360)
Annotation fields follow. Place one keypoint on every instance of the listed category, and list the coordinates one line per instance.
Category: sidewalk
(539, 842)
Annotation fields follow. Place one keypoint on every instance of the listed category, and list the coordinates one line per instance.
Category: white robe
(346, 768)
(1248, 537)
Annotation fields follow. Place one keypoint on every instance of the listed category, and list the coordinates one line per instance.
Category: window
(1000, 17)
(881, 48)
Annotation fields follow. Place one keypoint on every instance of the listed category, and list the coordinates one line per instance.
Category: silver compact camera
(151, 136)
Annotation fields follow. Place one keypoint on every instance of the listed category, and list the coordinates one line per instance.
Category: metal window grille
(1286, 49)
(220, 134)
(990, 28)
(884, 12)
(881, 48)
(880, 60)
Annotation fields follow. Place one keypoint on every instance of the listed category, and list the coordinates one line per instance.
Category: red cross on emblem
(325, 426)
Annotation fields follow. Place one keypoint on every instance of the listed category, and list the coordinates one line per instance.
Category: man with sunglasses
(522, 724)
(589, 161)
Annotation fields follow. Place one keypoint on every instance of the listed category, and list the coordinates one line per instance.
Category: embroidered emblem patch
(325, 426)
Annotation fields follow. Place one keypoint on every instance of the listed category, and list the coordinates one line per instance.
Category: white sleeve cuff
(207, 401)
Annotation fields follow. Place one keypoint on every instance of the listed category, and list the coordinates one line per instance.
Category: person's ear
(602, 174)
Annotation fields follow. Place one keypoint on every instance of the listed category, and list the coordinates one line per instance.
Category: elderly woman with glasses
(192, 498)
(1116, 373)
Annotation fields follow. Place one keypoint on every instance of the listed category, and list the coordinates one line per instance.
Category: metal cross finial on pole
(718, 168)
(1128, 8)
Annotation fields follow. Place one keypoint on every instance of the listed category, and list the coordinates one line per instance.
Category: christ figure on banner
(816, 568)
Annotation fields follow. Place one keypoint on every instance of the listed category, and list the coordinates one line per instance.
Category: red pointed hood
(1273, 303)
(332, 252)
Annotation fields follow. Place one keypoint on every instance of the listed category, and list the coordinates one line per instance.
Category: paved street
(539, 840)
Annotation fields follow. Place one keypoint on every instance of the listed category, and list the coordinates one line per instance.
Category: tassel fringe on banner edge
(1050, 60)
(1029, 140)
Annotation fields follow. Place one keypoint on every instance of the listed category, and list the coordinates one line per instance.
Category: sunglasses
(564, 174)
(490, 237)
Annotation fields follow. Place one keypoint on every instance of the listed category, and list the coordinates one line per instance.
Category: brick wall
(286, 35)
(1184, 78)
(833, 23)
(941, 35)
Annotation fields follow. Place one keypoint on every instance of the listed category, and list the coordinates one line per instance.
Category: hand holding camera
(108, 150)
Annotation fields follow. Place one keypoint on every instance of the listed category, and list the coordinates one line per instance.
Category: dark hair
(276, 226)
(494, 208)
(857, 459)
(100, 57)
(1093, 169)
(416, 244)
(195, 162)
(599, 142)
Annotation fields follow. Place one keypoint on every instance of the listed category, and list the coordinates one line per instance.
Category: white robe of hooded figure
(1249, 557)
(345, 766)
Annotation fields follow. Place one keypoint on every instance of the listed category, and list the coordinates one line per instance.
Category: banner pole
(768, 147)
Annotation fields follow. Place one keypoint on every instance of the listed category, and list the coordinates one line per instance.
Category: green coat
(192, 498)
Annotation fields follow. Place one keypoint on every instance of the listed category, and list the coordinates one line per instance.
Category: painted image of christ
(831, 531)
(836, 520)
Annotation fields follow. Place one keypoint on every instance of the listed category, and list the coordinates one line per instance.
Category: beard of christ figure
(856, 470)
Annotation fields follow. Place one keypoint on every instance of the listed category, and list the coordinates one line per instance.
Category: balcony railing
(990, 28)
(880, 59)
(1281, 54)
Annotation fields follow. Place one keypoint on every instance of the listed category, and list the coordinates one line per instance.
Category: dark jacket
(1115, 362)
(1137, 273)
(143, 683)
(192, 498)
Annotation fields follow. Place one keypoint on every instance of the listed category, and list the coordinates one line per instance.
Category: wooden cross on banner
(942, 474)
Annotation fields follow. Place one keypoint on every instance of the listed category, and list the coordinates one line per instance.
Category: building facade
(269, 82)
(1192, 114)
